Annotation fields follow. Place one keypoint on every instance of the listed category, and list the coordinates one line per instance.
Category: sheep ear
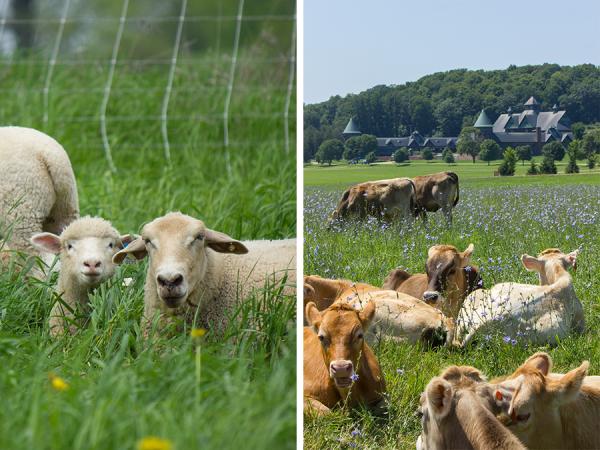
(137, 248)
(532, 264)
(127, 239)
(222, 243)
(439, 397)
(46, 242)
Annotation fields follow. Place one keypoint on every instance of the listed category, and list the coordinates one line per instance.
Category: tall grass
(120, 388)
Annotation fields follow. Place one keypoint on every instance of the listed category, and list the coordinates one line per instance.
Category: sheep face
(86, 248)
(177, 247)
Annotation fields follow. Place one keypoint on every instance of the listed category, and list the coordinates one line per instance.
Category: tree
(427, 154)
(401, 155)
(507, 168)
(370, 158)
(533, 168)
(524, 153)
(556, 149)
(578, 129)
(591, 143)
(357, 147)
(572, 152)
(547, 165)
(489, 150)
(329, 150)
(591, 162)
(468, 142)
(448, 156)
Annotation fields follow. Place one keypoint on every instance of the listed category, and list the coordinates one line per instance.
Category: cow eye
(359, 336)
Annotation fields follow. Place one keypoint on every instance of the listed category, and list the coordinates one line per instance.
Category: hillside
(441, 103)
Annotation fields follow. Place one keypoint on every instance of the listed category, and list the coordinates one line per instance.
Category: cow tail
(414, 203)
(454, 177)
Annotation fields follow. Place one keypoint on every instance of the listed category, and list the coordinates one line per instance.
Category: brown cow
(384, 199)
(550, 411)
(449, 279)
(324, 291)
(457, 412)
(435, 191)
(339, 366)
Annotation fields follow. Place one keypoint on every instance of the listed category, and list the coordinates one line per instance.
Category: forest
(442, 103)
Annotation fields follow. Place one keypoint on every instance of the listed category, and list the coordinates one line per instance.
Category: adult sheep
(196, 272)
(86, 248)
(38, 191)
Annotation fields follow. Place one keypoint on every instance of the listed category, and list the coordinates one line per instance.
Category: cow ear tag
(499, 395)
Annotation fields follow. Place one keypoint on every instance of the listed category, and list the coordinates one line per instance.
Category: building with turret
(529, 127)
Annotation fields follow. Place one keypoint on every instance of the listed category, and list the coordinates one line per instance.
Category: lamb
(195, 275)
(86, 248)
(38, 192)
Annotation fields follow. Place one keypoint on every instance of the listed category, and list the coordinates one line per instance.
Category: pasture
(104, 388)
(503, 218)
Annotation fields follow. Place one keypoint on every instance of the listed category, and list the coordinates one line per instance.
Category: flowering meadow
(503, 218)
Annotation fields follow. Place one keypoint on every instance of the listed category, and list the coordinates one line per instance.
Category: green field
(503, 218)
(235, 391)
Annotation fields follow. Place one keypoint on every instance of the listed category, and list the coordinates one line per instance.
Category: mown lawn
(503, 218)
(235, 391)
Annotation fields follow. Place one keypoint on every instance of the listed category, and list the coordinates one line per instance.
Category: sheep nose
(170, 281)
(92, 264)
(430, 296)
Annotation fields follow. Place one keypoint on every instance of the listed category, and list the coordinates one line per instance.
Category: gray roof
(483, 120)
(531, 101)
(544, 120)
(351, 127)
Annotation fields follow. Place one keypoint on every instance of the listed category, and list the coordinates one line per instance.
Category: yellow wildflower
(197, 332)
(58, 383)
(154, 443)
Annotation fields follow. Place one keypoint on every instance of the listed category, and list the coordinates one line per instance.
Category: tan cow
(550, 411)
(457, 412)
(398, 316)
(385, 199)
(437, 191)
(339, 366)
(539, 314)
(449, 279)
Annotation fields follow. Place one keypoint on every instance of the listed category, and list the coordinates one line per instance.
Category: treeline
(442, 103)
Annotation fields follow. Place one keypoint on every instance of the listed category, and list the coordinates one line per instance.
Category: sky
(353, 45)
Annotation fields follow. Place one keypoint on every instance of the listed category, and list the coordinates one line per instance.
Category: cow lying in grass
(398, 316)
(456, 412)
(449, 279)
(550, 411)
(339, 366)
(539, 314)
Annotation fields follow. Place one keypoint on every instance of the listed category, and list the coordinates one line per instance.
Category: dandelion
(506, 339)
(513, 342)
(57, 383)
(354, 377)
(355, 432)
(154, 443)
(197, 332)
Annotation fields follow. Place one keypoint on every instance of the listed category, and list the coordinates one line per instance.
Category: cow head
(449, 276)
(550, 264)
(529, 400)
(341, 330)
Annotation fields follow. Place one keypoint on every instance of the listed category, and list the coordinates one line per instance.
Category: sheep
(86, 248)
(194, 274)
(38, 191)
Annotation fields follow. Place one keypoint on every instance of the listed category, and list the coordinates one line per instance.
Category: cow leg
(448, 215)
(314, 407)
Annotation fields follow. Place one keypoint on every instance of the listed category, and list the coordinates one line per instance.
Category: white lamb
(86, 248)
(197, 271)
(38, 191)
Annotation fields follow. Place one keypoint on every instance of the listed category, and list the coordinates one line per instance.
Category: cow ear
(466, 255)
(222, 243)
(313, 316)
(367, 314)
(571, 258)
(309, 293)
(532, 264)
(540, 361)
(439, 397)
(46, 242)
(137, 248)
(568, 386)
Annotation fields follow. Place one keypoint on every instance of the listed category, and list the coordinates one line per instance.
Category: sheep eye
(200, 237)
(148, 243)
(111, 245)
(69, 246)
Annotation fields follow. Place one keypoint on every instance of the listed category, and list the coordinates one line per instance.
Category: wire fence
(147, 75)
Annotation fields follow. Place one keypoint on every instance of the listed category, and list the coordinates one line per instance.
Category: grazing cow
(550, 411)
(539, 314)
(435, 191)
(457, 412)
(384, 199)
(398, 316)
(339, 366)
(449, 279)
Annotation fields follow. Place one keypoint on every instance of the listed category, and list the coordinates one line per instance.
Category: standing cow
(437, 191)
(385, 199)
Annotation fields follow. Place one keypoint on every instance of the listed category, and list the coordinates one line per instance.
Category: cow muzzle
(431, 297)
(342, 372)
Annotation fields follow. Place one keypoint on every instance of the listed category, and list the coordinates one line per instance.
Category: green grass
(503, 218)
(122, 389)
